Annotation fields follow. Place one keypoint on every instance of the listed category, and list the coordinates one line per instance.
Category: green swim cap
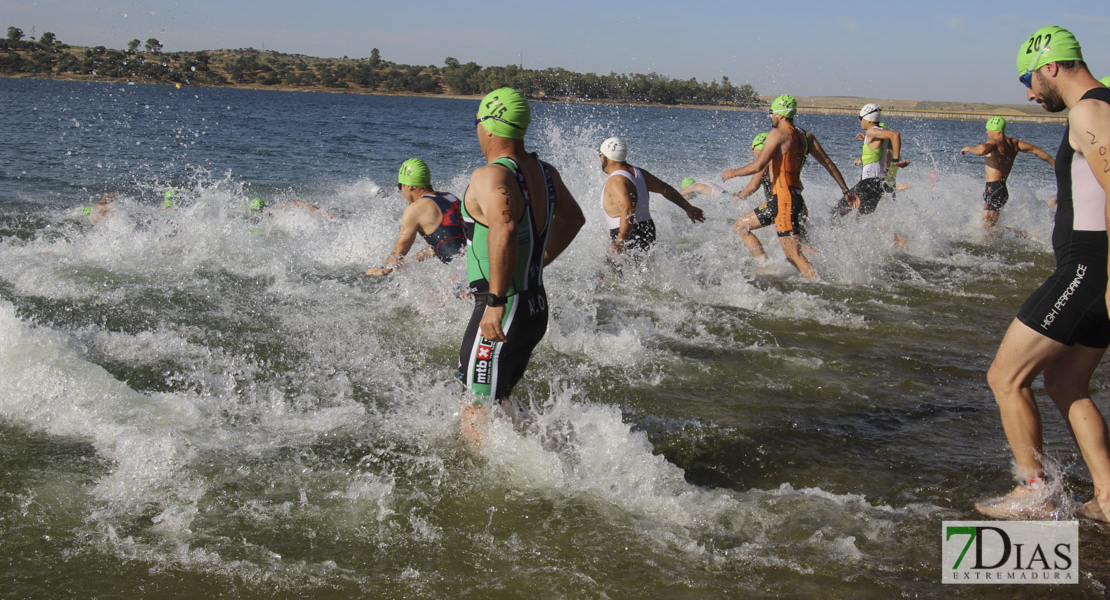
(785, 105)
(996, 124)
(504, 112)
(757, 141)
(414, 172)
(171, 198)
(1047, 44)
(86, 210)
(1105, 81)
(256, 205)
(689, 181)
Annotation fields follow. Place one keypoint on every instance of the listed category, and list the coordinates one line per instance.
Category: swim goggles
(1027, 78)
(478, 120)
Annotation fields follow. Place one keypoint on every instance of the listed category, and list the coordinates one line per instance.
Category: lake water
(205, 401)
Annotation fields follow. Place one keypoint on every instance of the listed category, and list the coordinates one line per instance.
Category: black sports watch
(495, 300)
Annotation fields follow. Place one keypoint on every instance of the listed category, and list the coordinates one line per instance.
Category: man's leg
(743, 228)
(1023, 355)
(792, 248)
(1067, 382)
(990, 219)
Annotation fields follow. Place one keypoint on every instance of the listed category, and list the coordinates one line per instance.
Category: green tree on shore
(249, 67)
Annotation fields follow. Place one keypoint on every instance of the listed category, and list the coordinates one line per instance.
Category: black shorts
(642, 237)
(870, 191)
(995, 196)
(1070, 307)
(767, 212)
(490, 370)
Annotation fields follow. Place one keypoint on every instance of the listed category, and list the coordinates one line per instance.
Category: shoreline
(818, 105)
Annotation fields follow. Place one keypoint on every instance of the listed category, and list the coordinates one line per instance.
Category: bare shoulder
(1090, 114)
(489, 176)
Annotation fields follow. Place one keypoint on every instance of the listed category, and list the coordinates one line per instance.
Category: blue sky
(945, 50)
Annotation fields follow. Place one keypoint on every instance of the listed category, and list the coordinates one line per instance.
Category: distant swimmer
(691, 187)
(436, 216)
(768, 167)
(625, 200)
(1062, 330)
(1000, 152)
(519, 216)
(100, 209)
(876, 161)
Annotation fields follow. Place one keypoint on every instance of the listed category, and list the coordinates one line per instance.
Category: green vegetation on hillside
(48, 57)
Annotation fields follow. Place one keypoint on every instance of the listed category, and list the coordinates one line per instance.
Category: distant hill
(967, 111)
(144, 62)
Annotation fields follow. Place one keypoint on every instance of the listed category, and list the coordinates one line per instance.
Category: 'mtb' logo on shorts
(483, 363)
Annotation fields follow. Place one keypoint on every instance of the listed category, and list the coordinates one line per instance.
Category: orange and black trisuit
(786, 171)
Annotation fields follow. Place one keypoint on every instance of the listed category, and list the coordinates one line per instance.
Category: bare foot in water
(1092, 511)
(1021, 504)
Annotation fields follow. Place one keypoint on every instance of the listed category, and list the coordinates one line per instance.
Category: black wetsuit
(1071, 306)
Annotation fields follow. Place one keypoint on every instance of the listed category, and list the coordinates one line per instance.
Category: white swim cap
(871, 112)
(614, 149)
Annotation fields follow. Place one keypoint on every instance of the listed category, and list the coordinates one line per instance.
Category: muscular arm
(1089, 122)
(753, 185)
(895, 140)
(774, 140)
(977, 149)
(494, 200)
(566, 220)
(410, 223)
(1035, 151)
(618, 202)
(654, 184)
(819, 154)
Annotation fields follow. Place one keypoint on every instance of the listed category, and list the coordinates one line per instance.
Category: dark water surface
(205, 401)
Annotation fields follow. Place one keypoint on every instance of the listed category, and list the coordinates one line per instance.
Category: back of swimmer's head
(414, 172)
(615, 149)
(1047, 44)
(871, 112)
(505, 113)
(759, 140)
(785, 106)
(996, 123)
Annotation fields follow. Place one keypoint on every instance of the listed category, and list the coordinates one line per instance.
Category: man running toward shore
(785, 107)
(1062, 330)
(434, 215)
(876, 163)
(784, 149)
(1000, 152)
(759, 181)
(625, 199)
(519, 216)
